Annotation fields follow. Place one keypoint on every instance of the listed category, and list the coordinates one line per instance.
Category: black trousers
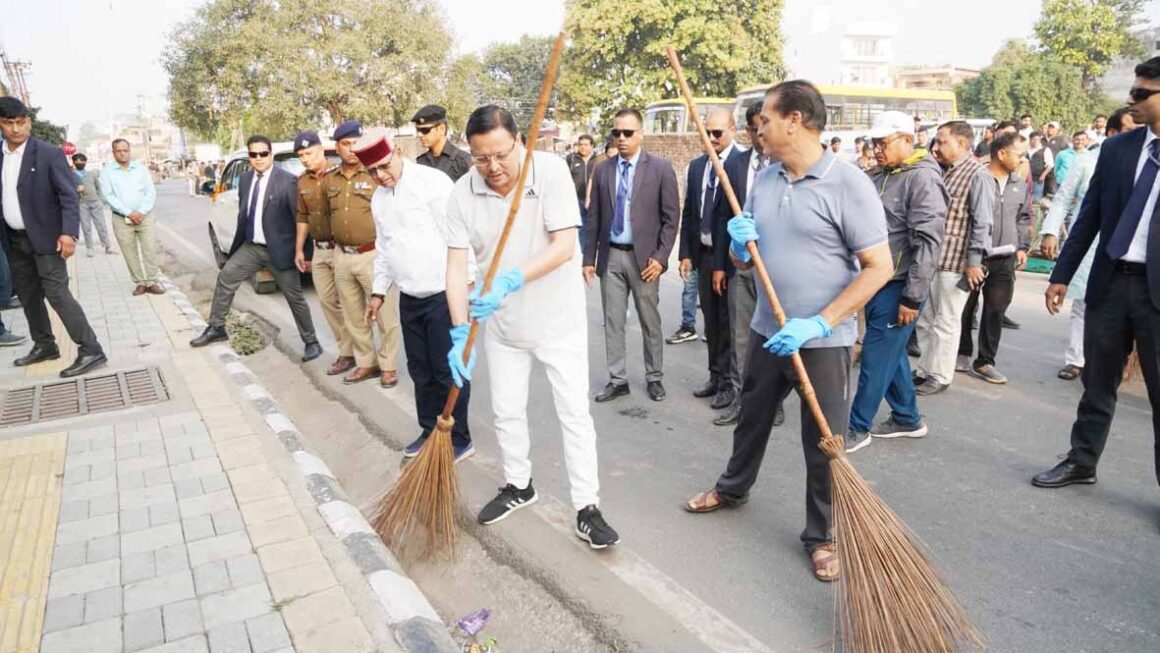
(1124, 316)
(242, 265)
(718, 329)
(768, 381)
(997, 291)
(426, 326)
(40, 277)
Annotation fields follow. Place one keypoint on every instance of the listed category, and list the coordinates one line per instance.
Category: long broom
(417, 516)
(890, 600)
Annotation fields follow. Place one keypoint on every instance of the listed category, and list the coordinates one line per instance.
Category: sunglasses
(617, 133)
(259, 155)
(716, 133)
(1141, 94)
(425, 130)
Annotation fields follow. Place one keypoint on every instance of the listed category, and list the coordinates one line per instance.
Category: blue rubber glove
(460, 372)
(503, 285)
(742, 229)
(796, 333)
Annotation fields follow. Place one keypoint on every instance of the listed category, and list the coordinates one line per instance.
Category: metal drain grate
(93, 394)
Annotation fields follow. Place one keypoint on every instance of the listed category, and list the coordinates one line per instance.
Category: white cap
(891, 122)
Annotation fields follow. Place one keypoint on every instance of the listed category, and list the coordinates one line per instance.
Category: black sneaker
(683, 334)
(509, 500)
(591, 527)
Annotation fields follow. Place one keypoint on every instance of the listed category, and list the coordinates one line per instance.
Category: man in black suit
(1123, 289)
(699, 234)
(264, 238)
(38, 199)
(741, 288)
(632, 226)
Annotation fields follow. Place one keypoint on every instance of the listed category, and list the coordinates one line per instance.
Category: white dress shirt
(11, 175)
(410, 249)
(259, 187)
(1138, 249)
(755, 165)
(710, 173)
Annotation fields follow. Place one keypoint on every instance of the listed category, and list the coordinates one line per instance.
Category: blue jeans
(689, 302)
(885, 370)
(1038, 190)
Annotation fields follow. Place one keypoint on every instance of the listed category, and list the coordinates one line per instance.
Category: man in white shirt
(409, 208)
(534, 310)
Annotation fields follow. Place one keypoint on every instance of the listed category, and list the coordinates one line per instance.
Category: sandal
(1070, 373)
(704, 502)
(825, 563)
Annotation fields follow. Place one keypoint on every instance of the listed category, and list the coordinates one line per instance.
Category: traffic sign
(69, 148)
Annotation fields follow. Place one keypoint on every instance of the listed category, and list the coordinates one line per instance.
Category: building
(868, 54)
(940, 78)
(1119, 77)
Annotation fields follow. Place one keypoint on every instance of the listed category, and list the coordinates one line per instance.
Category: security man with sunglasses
(431, 125)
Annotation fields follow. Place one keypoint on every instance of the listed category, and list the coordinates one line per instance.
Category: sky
(93, 59)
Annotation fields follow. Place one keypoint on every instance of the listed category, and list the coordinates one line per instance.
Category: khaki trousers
(354, 276)
(139, 247)
(322, 272)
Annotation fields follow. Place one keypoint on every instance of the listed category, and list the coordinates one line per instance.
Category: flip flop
(1070, 373)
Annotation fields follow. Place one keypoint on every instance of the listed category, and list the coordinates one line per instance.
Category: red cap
(374, 146)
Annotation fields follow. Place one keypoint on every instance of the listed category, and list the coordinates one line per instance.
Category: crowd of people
(904, 255)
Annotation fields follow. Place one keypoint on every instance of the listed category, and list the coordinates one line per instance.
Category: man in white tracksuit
(535, 310)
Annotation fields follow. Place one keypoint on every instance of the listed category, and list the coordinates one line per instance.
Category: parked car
(224, 208)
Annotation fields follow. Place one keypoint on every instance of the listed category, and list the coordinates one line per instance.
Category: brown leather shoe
(361, 374)
(155, 289)
(389, 379)
(139, 290)
(341, 365)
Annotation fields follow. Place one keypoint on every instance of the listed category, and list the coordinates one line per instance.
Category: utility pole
(15, 72)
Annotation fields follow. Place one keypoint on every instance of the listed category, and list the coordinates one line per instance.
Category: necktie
(1134, 210)
(707, 204)
(254, 194)
(621, 199)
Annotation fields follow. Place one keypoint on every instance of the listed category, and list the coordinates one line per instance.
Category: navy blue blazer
(1108, 192)
(279, 215)
(47, 190)
(691, 216)
(737, 168)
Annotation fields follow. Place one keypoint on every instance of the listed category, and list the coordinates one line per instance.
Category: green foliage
(277, 66)
(1021, 82)
(1089, 34)
(245, 338)
(513, 73)
(45, 130)
(462, 90)
(617, 53)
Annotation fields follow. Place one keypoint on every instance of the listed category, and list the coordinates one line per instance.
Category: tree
(45, 130)
(1021, 82)
(1089, 34)
(617, 52)
(514, 73)
(277, 66)
(462, 90)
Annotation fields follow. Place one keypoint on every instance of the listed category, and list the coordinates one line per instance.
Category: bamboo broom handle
(517, 196)
(807, 388)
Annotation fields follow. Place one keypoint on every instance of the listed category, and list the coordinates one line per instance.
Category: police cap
(306, 139)
(348, 129)
(432, 114)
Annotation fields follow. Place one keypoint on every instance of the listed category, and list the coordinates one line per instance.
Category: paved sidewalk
(179, 526)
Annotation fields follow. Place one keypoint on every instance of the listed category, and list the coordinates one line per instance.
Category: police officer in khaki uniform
(314, 223)
(431, 124)
(347, 190)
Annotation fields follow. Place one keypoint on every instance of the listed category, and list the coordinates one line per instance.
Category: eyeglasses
(383, 167)
(484, 160)
(259, 155)
(882, 143)
(617, 133)
(1140, 94)
(716, 133)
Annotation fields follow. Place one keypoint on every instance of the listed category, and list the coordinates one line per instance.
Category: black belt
(1130, 267)
(706, 248)
(623, 248)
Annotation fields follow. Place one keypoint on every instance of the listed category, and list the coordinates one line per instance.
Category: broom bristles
(417, 516)
(890, 599)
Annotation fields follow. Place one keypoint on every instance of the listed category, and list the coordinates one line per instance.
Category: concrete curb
(415, 625)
